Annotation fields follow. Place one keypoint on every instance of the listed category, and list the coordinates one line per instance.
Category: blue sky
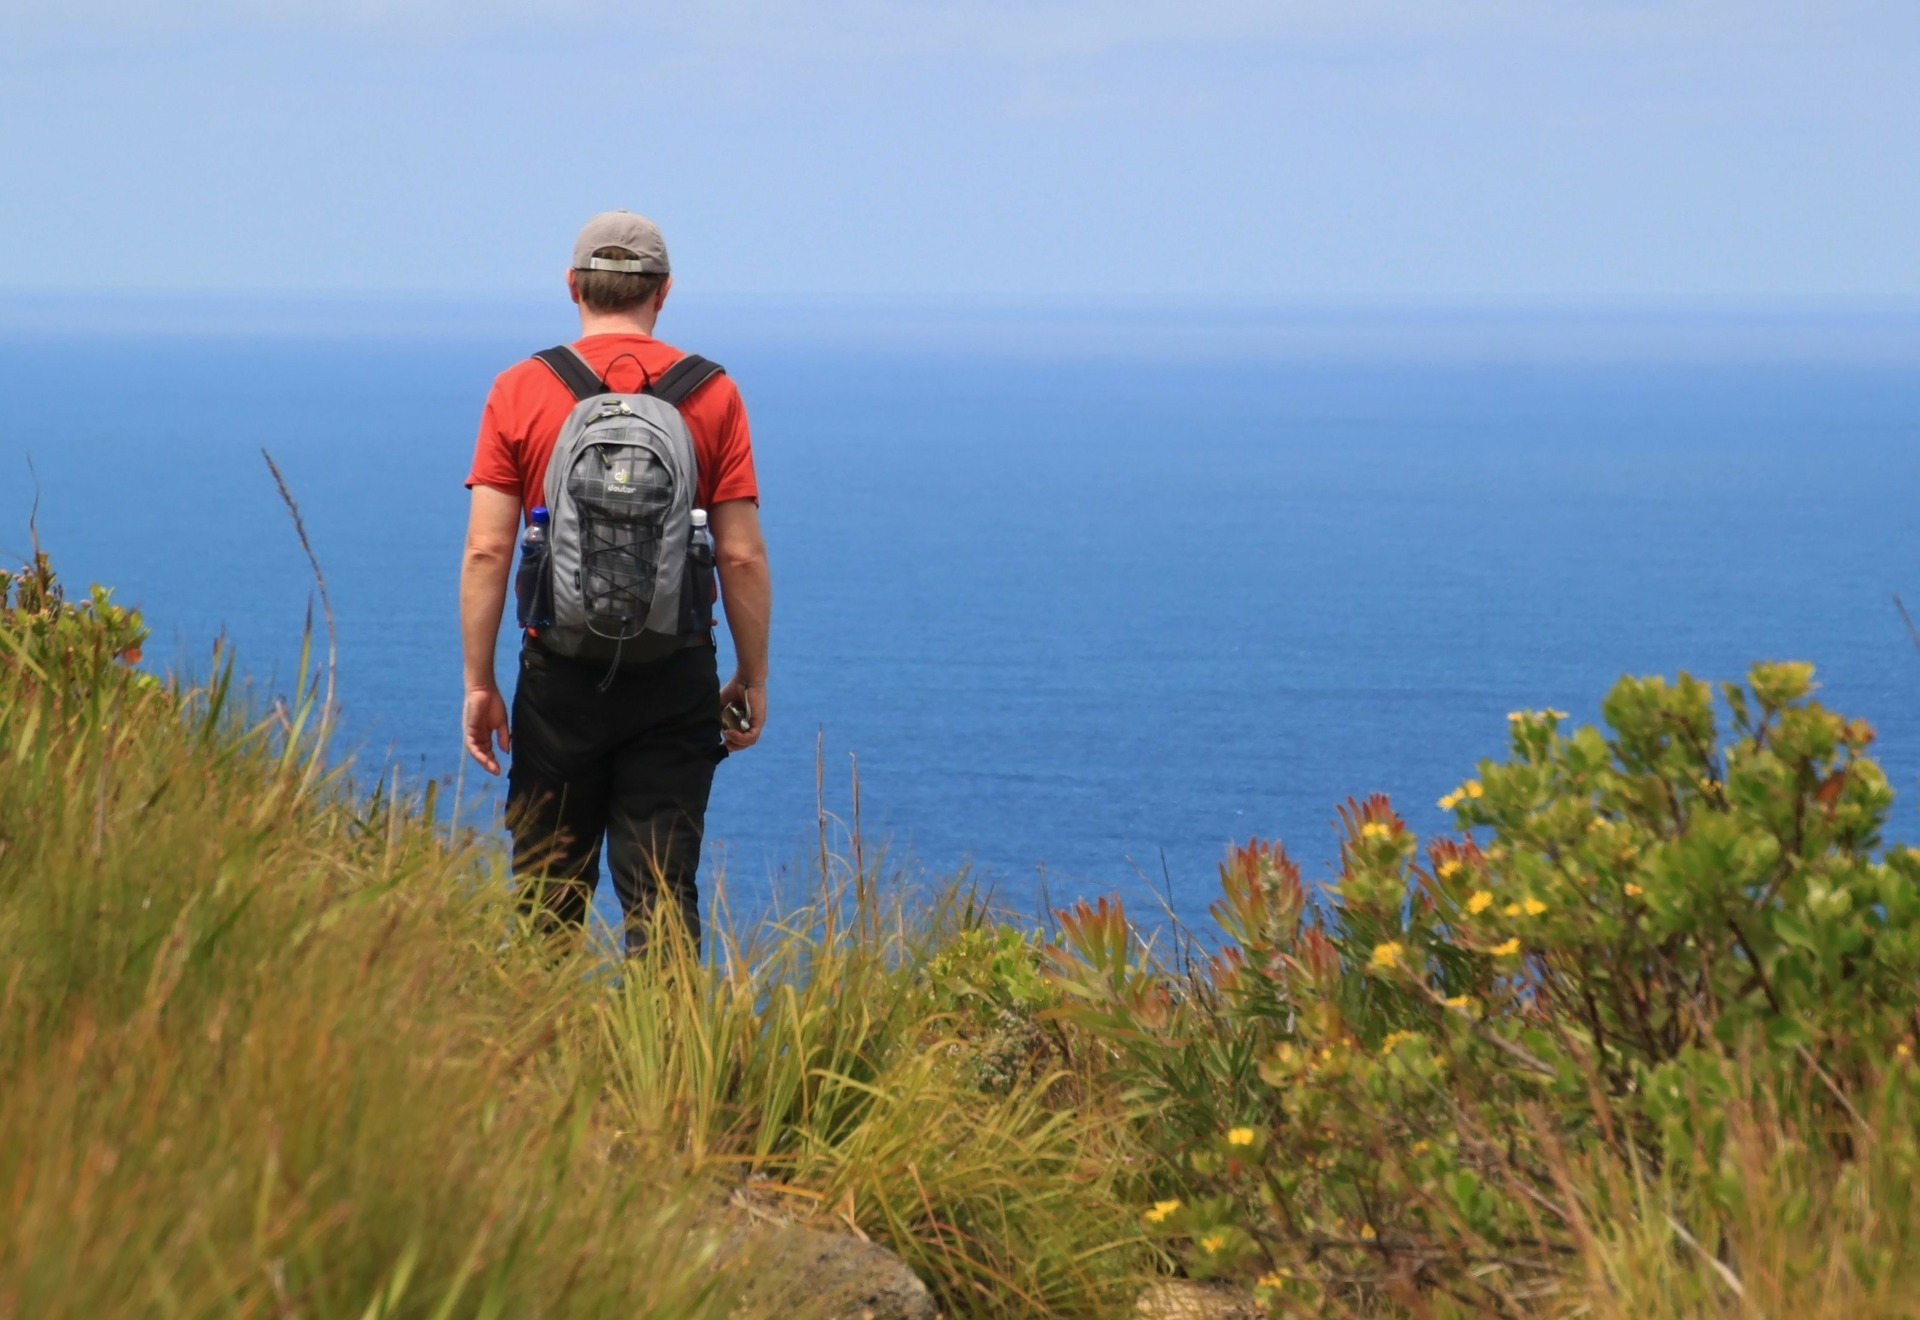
(1261, 151)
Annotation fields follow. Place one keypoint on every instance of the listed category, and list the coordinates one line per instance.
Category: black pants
(631, 765)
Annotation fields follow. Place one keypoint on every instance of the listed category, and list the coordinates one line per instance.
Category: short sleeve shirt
(528, 404)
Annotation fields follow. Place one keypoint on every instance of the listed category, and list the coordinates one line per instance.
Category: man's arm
(492, 526)
(746, 591)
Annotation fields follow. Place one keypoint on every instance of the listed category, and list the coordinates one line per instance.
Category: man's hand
(485, 719)
(754, 698)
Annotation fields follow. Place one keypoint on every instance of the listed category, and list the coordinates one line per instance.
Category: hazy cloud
(1258, 148)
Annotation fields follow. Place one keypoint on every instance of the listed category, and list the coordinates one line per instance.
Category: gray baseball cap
(621, 229)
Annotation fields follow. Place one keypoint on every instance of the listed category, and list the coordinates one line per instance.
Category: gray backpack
(625, 582)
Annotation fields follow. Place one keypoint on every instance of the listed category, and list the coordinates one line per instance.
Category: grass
(1811, 1236)
(275, 1047)
(813, 1058)
(266, 1049)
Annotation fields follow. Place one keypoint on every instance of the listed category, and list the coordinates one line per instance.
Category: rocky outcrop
(784, 1267)
(1183, 1299)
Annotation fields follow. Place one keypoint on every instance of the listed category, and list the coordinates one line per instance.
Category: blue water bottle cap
(539, 515)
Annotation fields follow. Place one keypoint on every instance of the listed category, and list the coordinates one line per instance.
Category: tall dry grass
(276, 1047)
(815, 1057)
(1824, 1225)
(270, 1047)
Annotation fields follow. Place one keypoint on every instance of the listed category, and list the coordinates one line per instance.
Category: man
(620, 753)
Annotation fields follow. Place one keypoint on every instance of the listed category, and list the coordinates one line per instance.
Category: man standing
(606, 749)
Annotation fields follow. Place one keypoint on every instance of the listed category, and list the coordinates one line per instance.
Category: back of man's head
(619, 262)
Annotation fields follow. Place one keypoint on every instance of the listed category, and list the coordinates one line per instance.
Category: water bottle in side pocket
(533, 587)
(701, 590)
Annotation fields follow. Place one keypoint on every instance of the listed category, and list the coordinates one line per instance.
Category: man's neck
(618, 323)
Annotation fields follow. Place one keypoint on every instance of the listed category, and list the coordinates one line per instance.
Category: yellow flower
(1511, 910)
(1422, 1147)
(1395, 1039)
(1480, 902)
(1275, 1279)
(1213, 1242)
(1240, 1136)
(1449, 868)
(1386, 955)
(1472, 789)
(1515, 716)
(1634, 891)
(1450, 801)
(1598, 823)
(1533, 906)
(1162, 1211)
(1903, 1049)
(1506, 950)
(1366, 1231)
(1462, 1003)
(1373, 829)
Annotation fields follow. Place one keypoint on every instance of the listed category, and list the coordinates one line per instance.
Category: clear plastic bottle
(700, 573)
(532, 591)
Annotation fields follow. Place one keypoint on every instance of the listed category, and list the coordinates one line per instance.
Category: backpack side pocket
(533, 587)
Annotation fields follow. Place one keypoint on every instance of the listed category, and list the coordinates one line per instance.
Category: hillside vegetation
(1636, 1040)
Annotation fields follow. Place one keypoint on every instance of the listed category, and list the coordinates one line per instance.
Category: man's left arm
(746, 594)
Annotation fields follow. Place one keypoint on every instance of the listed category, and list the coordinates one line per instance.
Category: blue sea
(1087, 595)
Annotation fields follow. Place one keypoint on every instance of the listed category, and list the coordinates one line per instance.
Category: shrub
(1381, 1093)
(987, 983)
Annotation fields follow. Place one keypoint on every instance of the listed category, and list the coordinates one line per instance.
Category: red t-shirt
(528, 403)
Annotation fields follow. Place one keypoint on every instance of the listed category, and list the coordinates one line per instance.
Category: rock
(835, 1276)
(1183, 1299)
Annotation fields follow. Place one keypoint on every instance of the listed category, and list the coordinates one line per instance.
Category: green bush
(988, 983)
(1381, 1094)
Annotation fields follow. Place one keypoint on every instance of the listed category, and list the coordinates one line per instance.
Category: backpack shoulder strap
(683, 378)
(564, 361)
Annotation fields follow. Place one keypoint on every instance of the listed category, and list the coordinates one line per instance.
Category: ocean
(1087, 596)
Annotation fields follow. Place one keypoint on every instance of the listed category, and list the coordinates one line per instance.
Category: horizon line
(1580, 304)
(1878, 333)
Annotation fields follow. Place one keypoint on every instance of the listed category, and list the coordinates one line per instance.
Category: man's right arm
(493, 524)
